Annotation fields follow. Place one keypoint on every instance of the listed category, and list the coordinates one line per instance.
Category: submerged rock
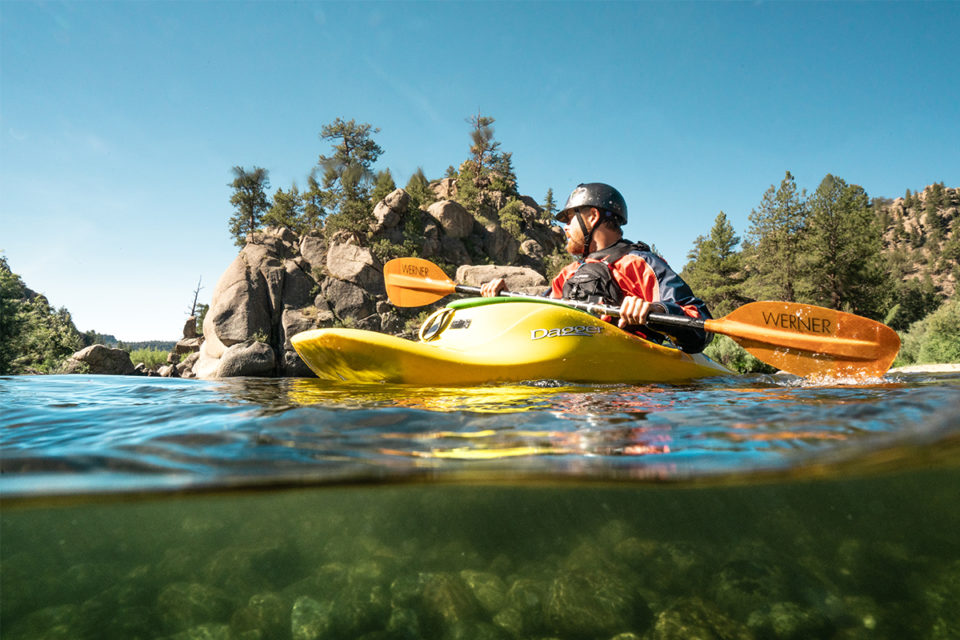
(247, 569)
(788, 621)
(403, 624)
(268, 614)
(475, 630)
(743, 586)
(693, 618)
(528, 596)
(488, 588)
(677, 568)
(942, 598)
(182, 606)
(49, 622)
(582, 604)
(446, 600)
(361, 607)
(311, 620)
(510, 620)
(204, 632)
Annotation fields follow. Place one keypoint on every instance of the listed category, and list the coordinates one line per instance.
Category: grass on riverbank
(153, 358)
(933, 340)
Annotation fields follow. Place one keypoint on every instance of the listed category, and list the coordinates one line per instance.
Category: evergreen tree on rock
(286, 211)
(249, 200)
(347, 176)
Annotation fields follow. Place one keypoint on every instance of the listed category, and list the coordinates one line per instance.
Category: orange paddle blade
(811, 341)
(414, 282)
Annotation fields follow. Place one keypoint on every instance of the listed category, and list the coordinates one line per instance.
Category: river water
(744, 507)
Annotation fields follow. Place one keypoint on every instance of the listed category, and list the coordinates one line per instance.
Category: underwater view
(740, 507)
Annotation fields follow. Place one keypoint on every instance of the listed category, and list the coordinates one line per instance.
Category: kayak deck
(476, 343)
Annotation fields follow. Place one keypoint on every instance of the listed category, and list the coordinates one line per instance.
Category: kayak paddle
(801, 339)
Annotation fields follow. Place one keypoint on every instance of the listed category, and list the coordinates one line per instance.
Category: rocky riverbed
(831, 561)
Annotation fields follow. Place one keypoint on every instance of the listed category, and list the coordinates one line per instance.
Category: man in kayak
(618, 272)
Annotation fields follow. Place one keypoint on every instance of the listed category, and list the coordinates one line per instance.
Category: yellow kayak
(484, 340)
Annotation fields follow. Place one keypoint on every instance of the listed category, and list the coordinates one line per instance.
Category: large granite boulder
(244, 298)
(455, 220)
(250, 358)
(268, 277)
(519, 279)
(445, 189)
(313, 249)
(99, 359)
(355, 265)
(347, 300)
(454, 251)
(390, 210)
(499, 244)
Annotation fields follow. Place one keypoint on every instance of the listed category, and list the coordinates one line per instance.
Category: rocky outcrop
(281, 284)
(100, 359)
(921, 235)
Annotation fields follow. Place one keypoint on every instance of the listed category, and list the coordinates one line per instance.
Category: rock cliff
(921, 236)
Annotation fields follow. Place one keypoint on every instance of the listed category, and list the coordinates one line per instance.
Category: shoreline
(927, 368)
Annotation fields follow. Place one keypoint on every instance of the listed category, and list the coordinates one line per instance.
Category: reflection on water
(77, 434)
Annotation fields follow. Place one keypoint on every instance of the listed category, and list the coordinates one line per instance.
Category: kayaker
(618, 272)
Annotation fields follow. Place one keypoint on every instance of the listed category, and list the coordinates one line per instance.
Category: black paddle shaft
(664, 319)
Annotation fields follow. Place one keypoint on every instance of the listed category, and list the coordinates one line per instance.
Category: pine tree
(932, 221)
(249, 200)
(842, 250)
(347, 176)
(313, 211)
(383, 186)
(418, 188)
(487, 169)
(549, 205)
(774, 242)
(715, 270)
(286, 210)
(913, 300)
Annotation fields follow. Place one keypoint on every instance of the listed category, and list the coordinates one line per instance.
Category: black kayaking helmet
(593, 194)
(599, 195)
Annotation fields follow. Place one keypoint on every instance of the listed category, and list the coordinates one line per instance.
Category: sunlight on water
(77, 434)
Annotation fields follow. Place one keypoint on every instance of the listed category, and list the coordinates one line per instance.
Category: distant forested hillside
(897, 261)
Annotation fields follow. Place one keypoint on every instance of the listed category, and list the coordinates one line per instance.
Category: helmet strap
(587, 236)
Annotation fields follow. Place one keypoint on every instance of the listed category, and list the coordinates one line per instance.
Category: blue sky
(120, 121)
